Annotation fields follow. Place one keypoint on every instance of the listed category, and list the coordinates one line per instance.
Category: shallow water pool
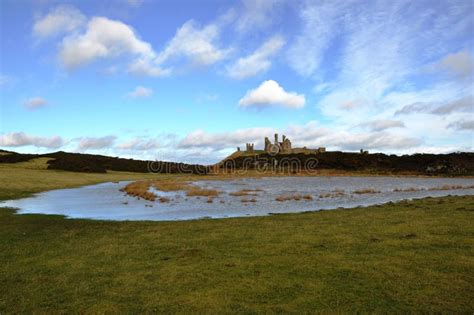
(106, 201)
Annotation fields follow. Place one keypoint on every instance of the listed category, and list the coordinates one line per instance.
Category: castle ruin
(278, 147)
(283, 147)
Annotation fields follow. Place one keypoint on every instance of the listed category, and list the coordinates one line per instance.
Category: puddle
(106, 201)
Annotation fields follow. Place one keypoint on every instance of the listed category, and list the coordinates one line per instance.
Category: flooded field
(239, 197)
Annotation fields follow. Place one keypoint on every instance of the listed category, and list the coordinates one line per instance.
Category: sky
(191, 80)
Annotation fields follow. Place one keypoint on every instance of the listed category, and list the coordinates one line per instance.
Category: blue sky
(191, 80)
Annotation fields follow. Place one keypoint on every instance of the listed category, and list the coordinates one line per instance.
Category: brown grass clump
(164, 199)
(334, 194)
(139, 189)
(197, 191)
(282, 198)
(245, 192)
(450, 187)
(407, 189)
(248, 200)
(307, 197)
(366, 191)
(170, 186)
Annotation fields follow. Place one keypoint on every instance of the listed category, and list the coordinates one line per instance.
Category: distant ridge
(452, 164)
(90, 163)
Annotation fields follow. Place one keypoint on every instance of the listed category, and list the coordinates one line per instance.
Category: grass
(366, 191)
(414, 256)
(139, 189)
(245, 200)
(404, 257)
(409, 189)
(295, 197)
(334, 194)
(246, 192)
(197, 191)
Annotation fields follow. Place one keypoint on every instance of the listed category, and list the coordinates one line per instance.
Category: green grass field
(404, 257)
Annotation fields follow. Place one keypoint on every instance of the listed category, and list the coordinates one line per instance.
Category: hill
(453, 164)
(90, 163)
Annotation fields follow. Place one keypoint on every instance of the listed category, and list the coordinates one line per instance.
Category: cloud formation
(194, 43)
(139, 144)
(460, 64)
(256, 14)
(62, 19)
(462, 125)
(141, 92)
(217, 141)
(270, 93)
(311, 135)
(464, 104)
(384, 124)
(146, 67)
(20, 139)
(317, 20)
(35, 103)
(258, 61)
(103, 38)
(96, 142)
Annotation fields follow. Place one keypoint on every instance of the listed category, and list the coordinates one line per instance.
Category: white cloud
(96, 142)
(379, 141)
(62, 19)
(311, 135)
(384, 124)
(462, 125)
(372, 64)
(460, 64)
(464, 104)
(198, 45)
(418, 107)
(258, 61)
(19, 139)
(256, 14)
(306, 52)
(271, 93)
(216, 141)
(139, 144)
(141, 92)
(35, 103)
(103, 38)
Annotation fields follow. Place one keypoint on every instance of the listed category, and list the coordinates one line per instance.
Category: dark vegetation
(77, 162)
(453, 164)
